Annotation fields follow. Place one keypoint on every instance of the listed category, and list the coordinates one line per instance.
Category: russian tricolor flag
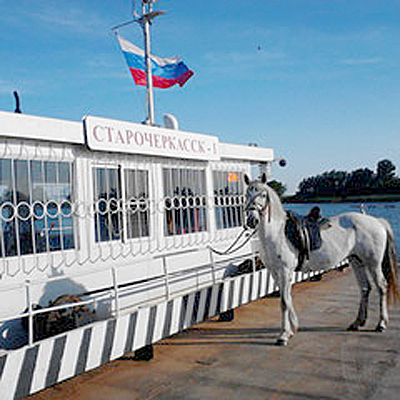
(166, 72)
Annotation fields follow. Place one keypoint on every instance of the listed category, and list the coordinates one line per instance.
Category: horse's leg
(365, 288)
(381, 284)
(294, 322)
(289, 318)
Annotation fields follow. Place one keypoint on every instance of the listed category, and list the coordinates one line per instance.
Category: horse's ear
(264, 178)
(246, 179)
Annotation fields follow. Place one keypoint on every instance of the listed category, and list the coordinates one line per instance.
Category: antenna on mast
(134, 13)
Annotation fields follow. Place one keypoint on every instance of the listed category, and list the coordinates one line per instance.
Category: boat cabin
(99, 206)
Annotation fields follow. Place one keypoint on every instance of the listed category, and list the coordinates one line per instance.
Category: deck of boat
(238, 359)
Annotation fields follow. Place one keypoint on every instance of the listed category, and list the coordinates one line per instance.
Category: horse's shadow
(338, 329)
(237, 336)
(322, 329)
(199, 336)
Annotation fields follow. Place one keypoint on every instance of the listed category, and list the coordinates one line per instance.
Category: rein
(265, 209)
(230, 249)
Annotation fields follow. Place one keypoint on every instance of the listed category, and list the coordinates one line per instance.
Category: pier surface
(238, 359)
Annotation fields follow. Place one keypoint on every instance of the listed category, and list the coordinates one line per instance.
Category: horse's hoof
(281, 342)
(227, 316)
(380, 328)
(353, 327)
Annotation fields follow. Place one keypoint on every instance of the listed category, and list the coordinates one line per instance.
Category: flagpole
(180, 72)
(145, 21)
(149, 75)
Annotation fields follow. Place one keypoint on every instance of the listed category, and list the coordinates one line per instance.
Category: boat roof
(103, 134)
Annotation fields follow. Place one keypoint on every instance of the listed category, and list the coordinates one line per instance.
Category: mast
(145, 21)
(147, 8)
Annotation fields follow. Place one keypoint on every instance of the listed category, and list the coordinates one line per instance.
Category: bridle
(262, 211)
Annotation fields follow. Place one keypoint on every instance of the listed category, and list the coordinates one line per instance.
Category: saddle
(304, 233)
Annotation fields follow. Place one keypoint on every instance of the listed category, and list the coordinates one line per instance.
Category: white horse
(367, 243)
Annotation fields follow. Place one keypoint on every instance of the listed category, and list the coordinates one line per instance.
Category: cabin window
(228, 198)
(114, 211)
(35, 207)
(137, 203)
(185, 201)
(107, 195)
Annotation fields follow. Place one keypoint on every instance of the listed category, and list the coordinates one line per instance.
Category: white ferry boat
(89, 205)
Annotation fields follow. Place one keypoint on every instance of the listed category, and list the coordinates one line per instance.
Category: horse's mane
(274, 197)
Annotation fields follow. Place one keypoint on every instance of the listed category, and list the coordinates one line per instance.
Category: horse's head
(257, 201)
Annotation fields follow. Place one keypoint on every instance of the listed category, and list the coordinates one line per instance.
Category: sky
(316, 80)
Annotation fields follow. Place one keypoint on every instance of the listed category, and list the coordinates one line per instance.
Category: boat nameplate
(127, 137)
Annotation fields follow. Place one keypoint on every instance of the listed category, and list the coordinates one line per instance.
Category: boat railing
(115, 208)
(119, 295)
(29, 243)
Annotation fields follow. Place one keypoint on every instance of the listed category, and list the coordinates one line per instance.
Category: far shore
(347, 199)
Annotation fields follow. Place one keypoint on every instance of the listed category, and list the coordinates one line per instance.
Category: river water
(387, 210)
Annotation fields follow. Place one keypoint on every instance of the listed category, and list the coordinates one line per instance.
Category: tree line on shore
(361, 183)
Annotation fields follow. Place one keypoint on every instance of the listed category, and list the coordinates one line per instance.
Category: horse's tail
(389, 267)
